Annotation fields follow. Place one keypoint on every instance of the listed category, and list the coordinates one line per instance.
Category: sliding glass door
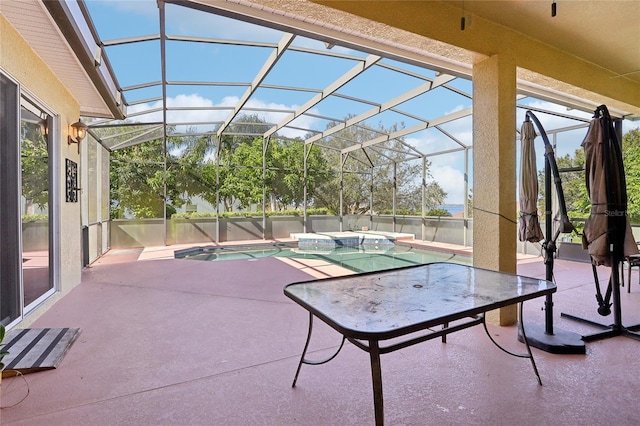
(26, 193)
(10, 255)
(35, 202)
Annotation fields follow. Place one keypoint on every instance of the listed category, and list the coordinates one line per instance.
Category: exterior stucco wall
(21, 63)
(494, 123)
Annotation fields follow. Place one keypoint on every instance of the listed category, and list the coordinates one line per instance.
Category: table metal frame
(370, 342)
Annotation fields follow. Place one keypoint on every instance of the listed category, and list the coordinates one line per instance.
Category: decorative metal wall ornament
(72, 181)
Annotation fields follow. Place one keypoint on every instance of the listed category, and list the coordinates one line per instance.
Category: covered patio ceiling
(204, 67)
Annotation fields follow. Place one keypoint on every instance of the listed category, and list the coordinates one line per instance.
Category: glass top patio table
(377, 306)
(388, 304)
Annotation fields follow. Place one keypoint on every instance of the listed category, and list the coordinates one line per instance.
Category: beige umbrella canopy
(607, 232)
(608, 225)
(529, 225)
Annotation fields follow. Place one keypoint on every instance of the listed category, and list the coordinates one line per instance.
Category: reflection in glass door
(36, 235)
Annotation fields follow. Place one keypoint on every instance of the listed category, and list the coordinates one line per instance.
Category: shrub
(310, 211)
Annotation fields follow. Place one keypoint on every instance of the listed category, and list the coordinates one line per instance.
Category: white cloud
(455, 109)
(451, 180)
(628, 125)
(193, 100)
(197, 101)
(433, 141)
(447, 169)
(551, 122)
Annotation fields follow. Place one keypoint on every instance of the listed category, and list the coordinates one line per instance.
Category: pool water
(357, 259)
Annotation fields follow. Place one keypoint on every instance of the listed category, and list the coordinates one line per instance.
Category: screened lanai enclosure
(236, 128)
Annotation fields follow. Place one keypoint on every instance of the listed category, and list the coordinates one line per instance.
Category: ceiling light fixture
(465, 20)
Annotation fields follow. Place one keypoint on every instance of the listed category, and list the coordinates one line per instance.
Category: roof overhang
(59, 33)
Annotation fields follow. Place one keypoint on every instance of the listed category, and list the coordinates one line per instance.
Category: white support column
(395, 193)
(466, 197)
(265, 146)
(218, 151)
(304, 201)
(371, 187)
(423, 204)
(343, 158)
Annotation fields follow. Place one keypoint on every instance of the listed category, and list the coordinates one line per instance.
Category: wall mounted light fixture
(78, 132)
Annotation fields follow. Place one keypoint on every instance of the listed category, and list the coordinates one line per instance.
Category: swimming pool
(357, 259)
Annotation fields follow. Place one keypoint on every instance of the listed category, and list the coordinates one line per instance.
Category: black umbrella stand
(545, 337)
(616, 203)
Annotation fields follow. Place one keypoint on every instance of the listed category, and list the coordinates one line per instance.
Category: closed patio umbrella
(546, 338)
(607, 232)
(529, 225)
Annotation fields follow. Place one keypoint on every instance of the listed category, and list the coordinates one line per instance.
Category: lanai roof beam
(423, 88)
(271, 61)
(331, 88)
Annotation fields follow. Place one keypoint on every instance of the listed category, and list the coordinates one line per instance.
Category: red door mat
(36, 349)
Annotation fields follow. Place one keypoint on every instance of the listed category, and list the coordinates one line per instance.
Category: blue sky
(136, 64)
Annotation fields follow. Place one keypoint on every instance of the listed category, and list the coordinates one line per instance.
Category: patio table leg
(376, 375)
(304, 351)
(303, 360)
(526, 343)
(529, 354)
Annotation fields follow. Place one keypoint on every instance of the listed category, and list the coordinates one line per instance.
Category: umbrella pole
(615, 329)
(617, 310)
(549, 246)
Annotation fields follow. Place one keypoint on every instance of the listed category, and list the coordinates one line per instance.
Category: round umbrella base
(560, 342)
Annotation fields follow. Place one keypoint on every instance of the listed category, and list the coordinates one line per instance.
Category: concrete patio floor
(183, 342)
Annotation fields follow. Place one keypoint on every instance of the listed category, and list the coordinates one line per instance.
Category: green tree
(284, 173)
(139, 178)
(288, 183)
(241, 168)
(191, 169)
(631, 157)
(574, 186)
(243, 174)
(438, 212)
(240, 159)
(137, 181)
(138, 175)
(393, 161)
(372, 169)
(35, 166)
